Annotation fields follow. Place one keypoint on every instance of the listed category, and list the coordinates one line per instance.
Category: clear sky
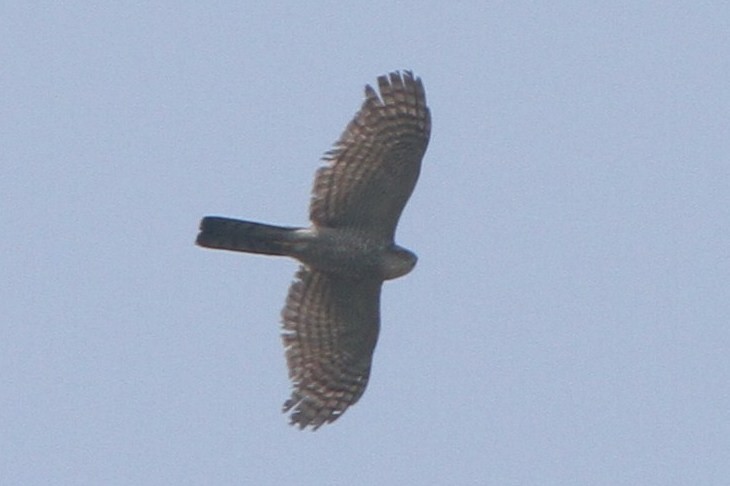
(568, 320)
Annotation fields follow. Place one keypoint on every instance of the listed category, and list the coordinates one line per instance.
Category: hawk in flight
(332, 314)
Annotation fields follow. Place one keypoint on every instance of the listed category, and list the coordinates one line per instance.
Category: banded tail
(236, 235)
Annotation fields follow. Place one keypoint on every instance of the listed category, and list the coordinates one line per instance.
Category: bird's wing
(374, 166)
(330, 328)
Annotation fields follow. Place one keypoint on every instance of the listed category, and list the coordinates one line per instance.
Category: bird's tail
(246, 236)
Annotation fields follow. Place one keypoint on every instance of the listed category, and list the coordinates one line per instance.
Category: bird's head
(397, 261)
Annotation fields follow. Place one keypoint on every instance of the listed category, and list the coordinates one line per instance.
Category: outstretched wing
(374, 165)
(330, 327)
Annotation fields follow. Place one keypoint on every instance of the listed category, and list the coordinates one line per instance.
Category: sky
(568, 320)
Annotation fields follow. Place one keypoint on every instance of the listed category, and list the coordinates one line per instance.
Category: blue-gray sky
(567, 322)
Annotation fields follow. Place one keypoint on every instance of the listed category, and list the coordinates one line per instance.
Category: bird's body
(335, 251)
(332, 314)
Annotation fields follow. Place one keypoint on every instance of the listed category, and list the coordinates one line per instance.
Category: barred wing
(330, 328)
(374, 166)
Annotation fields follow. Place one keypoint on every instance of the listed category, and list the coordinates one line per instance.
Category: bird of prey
(331, 317)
